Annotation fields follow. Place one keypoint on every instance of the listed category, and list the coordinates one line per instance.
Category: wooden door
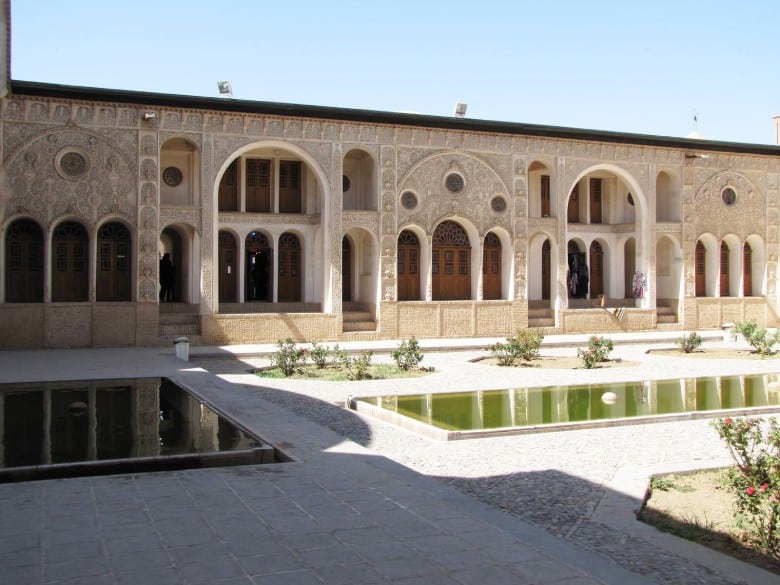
(545, 194)
(289, 268)
(573, 209)
(408, 267)
(258, 185)
(546, 272)
(596, 270)
(701, 257)
(451, 263)
(114, 269)
(491, 268)
(24, 262)
(595, 201)
(346, 270)
(290, 187)
(70, 263)
(228, 188)
(724, 270)
(227, 268)
(747, 270)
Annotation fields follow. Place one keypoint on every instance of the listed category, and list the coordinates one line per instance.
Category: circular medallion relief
(729, 196)
(454, 182)
(498, 204)
(408, 200)
(71, 164)
(172, 176)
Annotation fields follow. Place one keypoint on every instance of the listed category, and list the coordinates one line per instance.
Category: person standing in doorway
(167, 274)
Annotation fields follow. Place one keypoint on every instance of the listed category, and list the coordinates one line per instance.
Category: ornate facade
(332, 224)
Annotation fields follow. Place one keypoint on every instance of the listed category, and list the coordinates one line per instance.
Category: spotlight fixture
(460, 110)
(225, 89)
(150, 115)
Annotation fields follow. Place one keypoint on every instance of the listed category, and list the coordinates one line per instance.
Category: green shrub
(289, 358)
(357, 367)
(755, 478)
(598, 351)
(760, 339)
(319, 355)
(503, 353)
(408, 355)
(525, 345)
(527, 342)
(689, 343)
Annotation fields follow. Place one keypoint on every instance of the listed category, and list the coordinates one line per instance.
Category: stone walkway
(364, 502)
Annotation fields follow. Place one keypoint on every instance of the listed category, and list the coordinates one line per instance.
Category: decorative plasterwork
(36, 185)
(368, 220)
(268, 218)
(427, 179)
(188, 215)
(746, 216)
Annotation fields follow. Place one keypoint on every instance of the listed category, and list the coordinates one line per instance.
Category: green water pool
(586, 403)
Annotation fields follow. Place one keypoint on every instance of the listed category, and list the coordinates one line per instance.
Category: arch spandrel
(744, 216)
(436, 198)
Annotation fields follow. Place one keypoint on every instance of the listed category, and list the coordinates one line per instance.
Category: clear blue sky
(627, 65)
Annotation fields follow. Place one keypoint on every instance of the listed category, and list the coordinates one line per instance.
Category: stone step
(357, 316)
(359, 326)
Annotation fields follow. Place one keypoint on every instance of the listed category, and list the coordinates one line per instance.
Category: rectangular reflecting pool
(99, 427)
(454, 415)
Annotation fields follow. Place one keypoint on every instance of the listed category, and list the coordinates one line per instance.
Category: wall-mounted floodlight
(225, 89)
(150, 115)
(460, 110)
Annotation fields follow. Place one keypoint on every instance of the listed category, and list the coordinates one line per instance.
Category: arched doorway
(24, 262)
(747, 270)
(701, 269)
(596, 270)
(491, 267)
(228, 277)
(724, 269)
(70, 263)
(346, 270)
(408, 266)
(451, 263)
(579, 275)
(258, 268)
(546, 271)
(114, 273)
(289, 268)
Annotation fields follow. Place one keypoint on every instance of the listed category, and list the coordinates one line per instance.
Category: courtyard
(365, 502)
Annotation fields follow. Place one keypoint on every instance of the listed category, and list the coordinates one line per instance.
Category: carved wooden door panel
(451, 263)
(228, 188)
(290, 187)
(70, 263)
(258, 185)
(24, 262)
(724, 270)
(747, 270)
(573, 209)
(289, 268)
(114, 263)
(546, 273)
(346, 270)
(408, 267)
(701, 255)
(491, 268)
(227, 268)
(596, 270)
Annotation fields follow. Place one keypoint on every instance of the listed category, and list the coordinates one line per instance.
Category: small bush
(408, 355)
(598, 351)
(525, 345)
(289, 358)
(690, 343)
(503, 353)
(319, 355)
(357, 367)
(755, 479)
(760, 339)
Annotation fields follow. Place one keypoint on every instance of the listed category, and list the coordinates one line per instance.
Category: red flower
(764, 486)
(750, 491)
(727, 421)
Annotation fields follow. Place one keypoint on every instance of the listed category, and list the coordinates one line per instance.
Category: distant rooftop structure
(777, 129)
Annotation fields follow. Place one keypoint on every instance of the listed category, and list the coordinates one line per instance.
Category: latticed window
(228, 188)
(747, 270)
(70, 278)
(545, 192)
(24, 262)
(114, 267)
(491, 267)
(408, 266)
(290, 173)
(724, 269)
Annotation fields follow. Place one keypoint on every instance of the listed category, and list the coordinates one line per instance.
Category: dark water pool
(66, 429)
